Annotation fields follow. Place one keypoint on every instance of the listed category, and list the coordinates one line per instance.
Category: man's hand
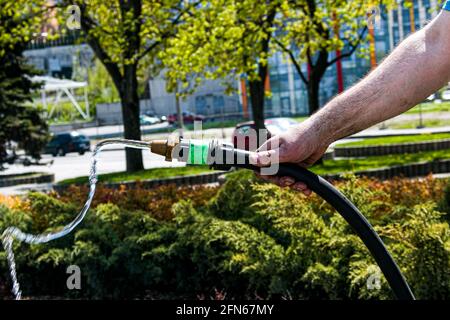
(301, 145)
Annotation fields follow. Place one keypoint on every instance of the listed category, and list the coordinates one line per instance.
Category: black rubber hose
(348, 211)
(359, 224)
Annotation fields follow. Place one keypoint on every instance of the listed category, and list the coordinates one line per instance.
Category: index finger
(272, 143)
(265, 158)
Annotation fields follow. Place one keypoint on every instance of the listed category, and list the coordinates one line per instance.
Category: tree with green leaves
(222, 40)
(311, 30)
(126, 36)
(100, 86)
(237, 37)
(20, 19)
(19, 122)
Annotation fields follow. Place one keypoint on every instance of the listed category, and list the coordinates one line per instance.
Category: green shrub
(233, 200)
(444, 204)
(249, 239)
(157, 202)
(421, 245)
(218, 253)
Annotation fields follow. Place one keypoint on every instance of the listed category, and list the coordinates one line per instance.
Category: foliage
(64, 112)
(310, 24)
(154, 173)
(19, 21)
(232, 29)
(396, 140)
(357, 164)
(430, 107)
(249, 239)
(126, 36)
(156, 202)
(100, 85)
(248, 32)
(311, 30)
(224, 39)
(19, 123)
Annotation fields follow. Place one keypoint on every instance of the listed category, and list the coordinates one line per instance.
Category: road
(117, 130)
(150, 131)
(74, 165)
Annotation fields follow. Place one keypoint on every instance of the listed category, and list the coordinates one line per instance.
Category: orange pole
(373, 56)
(339, 73)
(244, 98)
(267, 82)
(412, 18)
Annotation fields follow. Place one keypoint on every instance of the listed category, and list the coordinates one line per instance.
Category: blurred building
(66, 58)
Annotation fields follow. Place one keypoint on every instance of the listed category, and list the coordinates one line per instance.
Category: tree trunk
(130, 113)
(179, 112)
(257, 95)
(257, 100)
(313, 88)
(256, 87)
(317, 72)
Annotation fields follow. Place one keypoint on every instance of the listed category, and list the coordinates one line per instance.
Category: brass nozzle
(163, 147)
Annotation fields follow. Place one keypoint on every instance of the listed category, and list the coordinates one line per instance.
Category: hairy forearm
(413, 71)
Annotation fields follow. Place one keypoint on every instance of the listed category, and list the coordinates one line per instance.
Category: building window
(200, 104)
(218, 102)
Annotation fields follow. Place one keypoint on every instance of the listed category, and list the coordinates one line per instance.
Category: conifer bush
(247, 239)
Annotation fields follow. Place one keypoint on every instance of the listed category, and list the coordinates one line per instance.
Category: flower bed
(248, 239)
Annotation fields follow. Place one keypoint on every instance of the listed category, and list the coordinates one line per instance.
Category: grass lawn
(328, 167)
(430, 107)
(216, 124)
(154, 173)
(300, 119)
(357, 164)
(413, 124)
(230, 123)
(395, 140)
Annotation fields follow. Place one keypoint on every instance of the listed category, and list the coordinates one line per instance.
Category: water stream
(13, 233)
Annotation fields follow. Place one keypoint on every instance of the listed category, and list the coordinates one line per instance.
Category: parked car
(152, 115)
(245, 135)
(283, 123)
(446, 95)
(188, 117)
(63, 143)
(147, 120)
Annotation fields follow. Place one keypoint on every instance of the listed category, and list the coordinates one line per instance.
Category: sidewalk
(112, 131)
(226, 133)
(148, 132)
(223, 135)
(375, 132)
(22, 189)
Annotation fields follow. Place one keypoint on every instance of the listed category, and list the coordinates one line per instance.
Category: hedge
(247, 239)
